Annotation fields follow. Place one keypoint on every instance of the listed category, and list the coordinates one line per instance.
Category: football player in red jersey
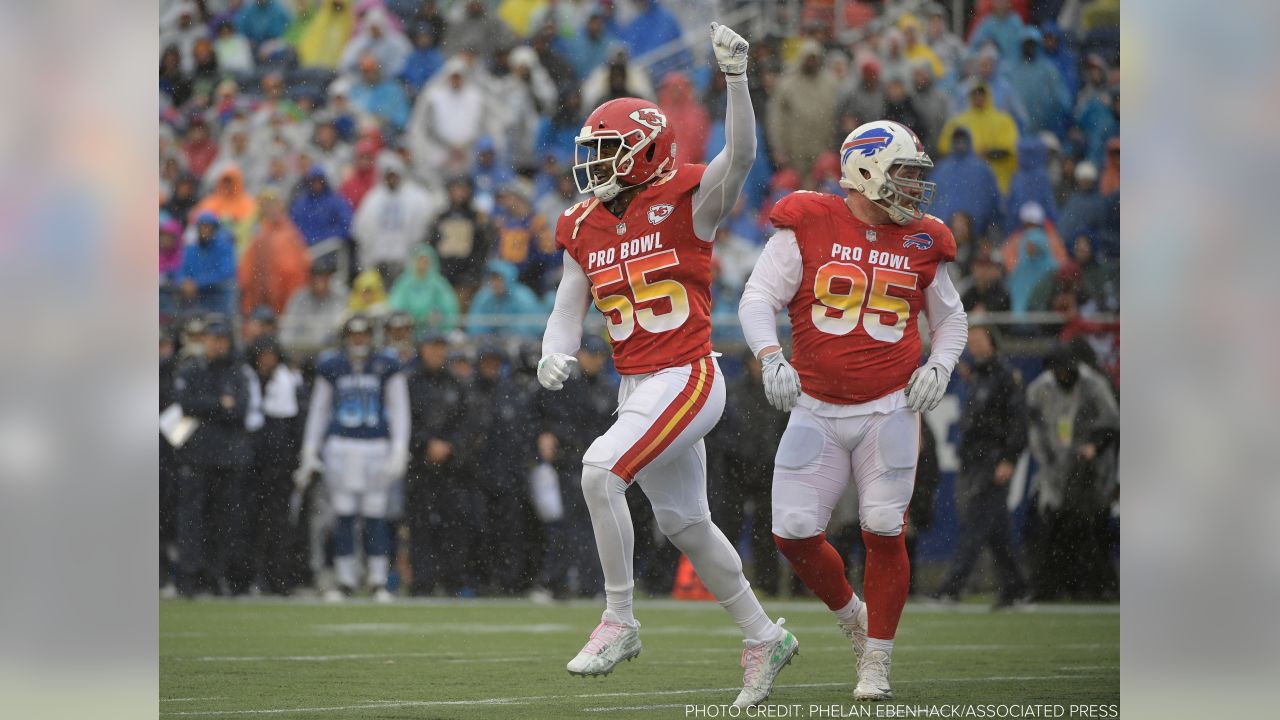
(854, 272)
(641, 248)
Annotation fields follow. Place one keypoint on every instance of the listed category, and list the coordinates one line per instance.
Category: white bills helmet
(871, 158)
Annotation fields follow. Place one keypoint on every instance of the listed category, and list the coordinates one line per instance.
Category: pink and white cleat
(610, 644)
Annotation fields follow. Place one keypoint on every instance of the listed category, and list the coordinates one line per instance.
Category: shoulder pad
(791, 210)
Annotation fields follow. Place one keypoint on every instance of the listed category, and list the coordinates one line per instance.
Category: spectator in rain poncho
(861, 98)
(1039, 86)
(994, 134)
(236, 148)
(685, 113)
(182, 198)
(478, 32)
(170, 251)
(944, 43)
(395, 216)
(423, 62)
(502, 296)
(231, 204)
(363, 173)
(914, 47)
(488, 175)
(932, 104)
(653, 27)
(378, 38)
(328, 150)
(619, 77)
(965, 184)
(312, 315)
(325, 34)
(800, 111)
(198, 147)
(379, 95)
(233, 51)
(559, 131)
(1002, 27)
(423, 292)
(1085, 209)
(318, 211)
(448, 117)
(276, 263)
(181, 27)
(1031, 183)
(1030, 256)
(368, 296)
(894, 63)
(262, 20)
(174, 81)
(986, 69)
(1059, 51)
(208, 274)
(589, 49)
(526, 95)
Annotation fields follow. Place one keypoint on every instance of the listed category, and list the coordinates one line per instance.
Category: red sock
(885, 586)
(819, 566)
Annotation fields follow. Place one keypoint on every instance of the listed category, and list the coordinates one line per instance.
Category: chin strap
(577, 225)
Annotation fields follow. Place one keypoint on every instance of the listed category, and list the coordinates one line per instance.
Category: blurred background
(408, 159)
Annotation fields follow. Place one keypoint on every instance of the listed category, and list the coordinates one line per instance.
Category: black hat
(263, 314)
(326, 264)
(432, 335)
(216, 324)
(399, 320)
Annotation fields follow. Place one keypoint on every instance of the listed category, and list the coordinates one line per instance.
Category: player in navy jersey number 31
(640, 248)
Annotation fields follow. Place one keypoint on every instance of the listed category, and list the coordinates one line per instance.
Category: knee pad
(882, 521)
(795, 525)
(602, 453)
(598, 483)
(799, 447)
(671, 522)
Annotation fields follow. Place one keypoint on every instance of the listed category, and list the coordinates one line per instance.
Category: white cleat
(383, 596)
(873, 677)
(761, 664)
(610, 644)
(856, 631)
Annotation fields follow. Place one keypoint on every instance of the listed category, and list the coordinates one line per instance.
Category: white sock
(878, 644)
(849, 612)
(720, 569)
(606, 498)
(344, 566)
(378, 567)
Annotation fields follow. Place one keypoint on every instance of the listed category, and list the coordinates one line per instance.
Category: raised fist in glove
(926, 387)
(309, 466)
(554, 369)
(781, 381)
(730, 48)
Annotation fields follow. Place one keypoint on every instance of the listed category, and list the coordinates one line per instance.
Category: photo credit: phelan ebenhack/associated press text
(897, 710)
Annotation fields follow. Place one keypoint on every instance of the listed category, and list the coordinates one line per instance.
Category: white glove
(554, 369)
(781, 381)
(396, 466)
(730, 48)
(309, 467)
(926, 387)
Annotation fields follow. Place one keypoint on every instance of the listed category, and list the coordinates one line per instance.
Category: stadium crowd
(407, 160)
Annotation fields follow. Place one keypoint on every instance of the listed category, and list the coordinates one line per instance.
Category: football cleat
(383, 596)
(761, 664)
(873, 677)
(856, 631)
(338, 594)
(610, 644)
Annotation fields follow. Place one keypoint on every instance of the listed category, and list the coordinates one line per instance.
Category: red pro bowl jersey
(853, 318)
(650, 275)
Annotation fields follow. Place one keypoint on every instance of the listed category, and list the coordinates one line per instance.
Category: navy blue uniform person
(357, 437)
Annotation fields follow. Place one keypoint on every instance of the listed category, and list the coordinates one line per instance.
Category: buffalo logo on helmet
(867, 143)
(924, 241)
(658, 213)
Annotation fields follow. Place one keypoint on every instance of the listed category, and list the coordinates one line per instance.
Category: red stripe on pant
(681, 411)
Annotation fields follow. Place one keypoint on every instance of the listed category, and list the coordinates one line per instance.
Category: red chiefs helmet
(647, 147)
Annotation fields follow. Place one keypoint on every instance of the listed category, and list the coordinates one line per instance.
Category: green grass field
(505, 659)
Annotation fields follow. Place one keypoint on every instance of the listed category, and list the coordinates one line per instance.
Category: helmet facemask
(907, 199)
